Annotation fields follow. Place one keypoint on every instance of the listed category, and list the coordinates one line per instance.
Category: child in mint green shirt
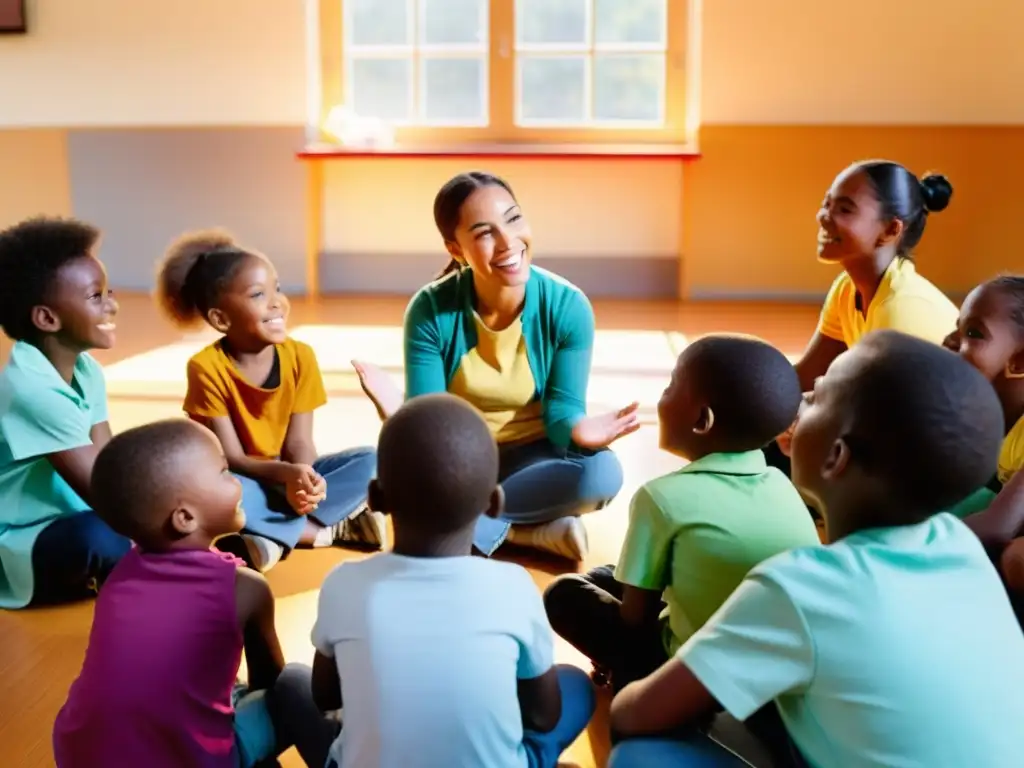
(56, 305)
(693, 534)
(893, 645)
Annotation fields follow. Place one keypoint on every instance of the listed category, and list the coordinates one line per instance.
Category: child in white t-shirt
(441, 658)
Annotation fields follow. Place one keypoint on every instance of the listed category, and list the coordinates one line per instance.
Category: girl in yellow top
(990, 335)
(869, 223)
(257, 388)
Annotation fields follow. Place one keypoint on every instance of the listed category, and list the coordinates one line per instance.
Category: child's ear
(1015, 366)
(892, 233)
(45, 319)
(183, 522)
(455, 251)
(837, 461)
(705, 421)
(218, 320)
(375, 497)
(497, 505)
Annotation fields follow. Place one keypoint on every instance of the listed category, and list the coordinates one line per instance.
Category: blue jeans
(73, 556)
(255, 736)
(696, 752)
(760, 741)
(299, 722)
(267, 512)
(578, 703)
(543, 483)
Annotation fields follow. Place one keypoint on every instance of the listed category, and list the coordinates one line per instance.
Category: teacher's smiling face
(492, 237)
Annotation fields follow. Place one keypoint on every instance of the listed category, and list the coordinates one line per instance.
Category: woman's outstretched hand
(379, 387)
(595, 432)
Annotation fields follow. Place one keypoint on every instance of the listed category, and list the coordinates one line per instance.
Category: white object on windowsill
(354, 130)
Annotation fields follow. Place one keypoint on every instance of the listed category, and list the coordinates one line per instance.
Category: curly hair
(32, 254)
(194, 271)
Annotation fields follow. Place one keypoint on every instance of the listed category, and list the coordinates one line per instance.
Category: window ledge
(521, 150)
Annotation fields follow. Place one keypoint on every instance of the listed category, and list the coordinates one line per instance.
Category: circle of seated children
(515, 341)
(718, 655)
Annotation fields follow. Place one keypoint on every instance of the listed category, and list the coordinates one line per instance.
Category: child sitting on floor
(157, 688)
(693, 534)
(442, 658)
(990, 336)
(56, 305)
(257, 388)
(894, 644)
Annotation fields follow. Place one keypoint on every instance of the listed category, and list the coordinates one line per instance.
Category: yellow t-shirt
(1011, 457)
(495, 377)
(261, 416)
(904, 302)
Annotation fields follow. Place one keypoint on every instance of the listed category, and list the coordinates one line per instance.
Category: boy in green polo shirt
(693, 534)
(56, 305)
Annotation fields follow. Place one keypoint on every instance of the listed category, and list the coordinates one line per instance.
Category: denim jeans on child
(348, 474)
(73, 556)
(543, 483)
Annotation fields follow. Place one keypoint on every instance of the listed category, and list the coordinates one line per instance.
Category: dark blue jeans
(542, 484)
(267, 512)
(73, 556)
(759, 742)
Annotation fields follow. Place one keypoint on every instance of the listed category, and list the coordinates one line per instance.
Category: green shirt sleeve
(565, 394)
(978, 501)
(646, 557)
(424, 365)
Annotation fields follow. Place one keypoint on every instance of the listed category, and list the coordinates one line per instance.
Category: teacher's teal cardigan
(558, 325)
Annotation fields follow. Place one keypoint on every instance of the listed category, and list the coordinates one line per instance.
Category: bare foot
(379, 387)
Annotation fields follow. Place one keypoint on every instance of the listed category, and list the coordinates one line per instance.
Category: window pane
(552, 88)
(381, 88)
(629, 21)
(629, 87)
(453, 91)
(551, 21)
(378, 22)
(452, 21)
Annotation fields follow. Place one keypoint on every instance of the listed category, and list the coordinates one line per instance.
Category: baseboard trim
(606, 277)
(780, 297)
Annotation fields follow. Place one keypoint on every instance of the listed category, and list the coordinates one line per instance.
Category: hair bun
(936, 191)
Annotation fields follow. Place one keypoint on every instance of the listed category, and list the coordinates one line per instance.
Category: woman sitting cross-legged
(516, 342)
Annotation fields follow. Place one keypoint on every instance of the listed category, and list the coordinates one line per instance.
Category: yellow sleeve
(205, 397)
(1011, 457)
(309, 386)
(830, 323)
(915, 316)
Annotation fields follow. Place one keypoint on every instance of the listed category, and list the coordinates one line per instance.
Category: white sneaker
(365, 527)
(264, 554)
(565, 537)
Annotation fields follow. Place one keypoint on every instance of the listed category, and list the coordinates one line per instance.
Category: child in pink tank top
(157, 687)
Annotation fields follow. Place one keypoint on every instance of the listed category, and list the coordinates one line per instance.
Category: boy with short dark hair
(695, 533)
(56, 305)
(443, 658)
(893, 645)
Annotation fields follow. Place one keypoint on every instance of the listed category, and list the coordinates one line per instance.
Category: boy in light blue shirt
(438, 658)
(895, 644)
(56, 305)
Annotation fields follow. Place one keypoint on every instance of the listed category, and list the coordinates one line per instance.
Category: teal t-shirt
(40, 414)
(891, 647)
(694, 534)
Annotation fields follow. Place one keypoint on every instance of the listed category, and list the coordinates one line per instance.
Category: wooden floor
(41, 650)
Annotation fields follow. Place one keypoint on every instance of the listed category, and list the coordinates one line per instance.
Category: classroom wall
(151, 119)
